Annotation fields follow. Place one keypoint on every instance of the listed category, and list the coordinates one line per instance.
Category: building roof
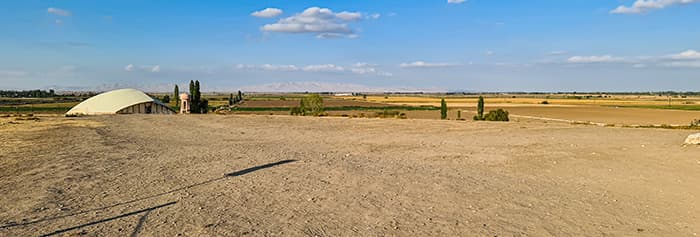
(111, 102)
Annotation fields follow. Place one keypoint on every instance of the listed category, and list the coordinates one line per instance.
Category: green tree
(240, 96)
(203, 106)
(197, 92)
(193, 105)
(166, 99)
(313, 105)
(480, 109)
(230, 100)
(176, 95)
(197, 99)
(443, 109)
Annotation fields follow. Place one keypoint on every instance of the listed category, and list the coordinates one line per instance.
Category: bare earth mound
(295, 176)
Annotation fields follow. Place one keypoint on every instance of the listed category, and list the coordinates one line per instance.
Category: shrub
(545, 102)
(166, 99)
(459, 115)
(497, 115)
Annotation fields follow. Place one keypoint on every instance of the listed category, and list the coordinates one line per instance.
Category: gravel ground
(141, 175)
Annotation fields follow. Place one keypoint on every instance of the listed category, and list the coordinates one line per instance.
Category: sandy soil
(299, 176)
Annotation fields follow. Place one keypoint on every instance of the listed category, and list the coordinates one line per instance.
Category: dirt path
(290, 176)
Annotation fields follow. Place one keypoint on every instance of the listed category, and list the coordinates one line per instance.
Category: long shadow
(140, 224)
(109, 219)
(256, 168)
(233, 174)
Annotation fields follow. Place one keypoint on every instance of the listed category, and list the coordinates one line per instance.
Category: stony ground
(292, 176)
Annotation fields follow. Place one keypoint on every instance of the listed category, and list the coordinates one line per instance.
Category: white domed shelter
(123, 101)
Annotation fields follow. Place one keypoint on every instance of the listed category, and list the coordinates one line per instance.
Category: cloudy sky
(474, 45)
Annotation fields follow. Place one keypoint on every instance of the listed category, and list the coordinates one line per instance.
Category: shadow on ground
(147, 210)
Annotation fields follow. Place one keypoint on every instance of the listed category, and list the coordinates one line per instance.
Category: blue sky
(475, 45)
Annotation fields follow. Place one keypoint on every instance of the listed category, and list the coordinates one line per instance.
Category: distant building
(123, 101)
(184, 103)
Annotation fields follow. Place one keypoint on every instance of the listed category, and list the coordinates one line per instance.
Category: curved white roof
(111, 102)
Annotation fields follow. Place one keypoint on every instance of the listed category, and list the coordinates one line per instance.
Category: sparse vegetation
(391, 114)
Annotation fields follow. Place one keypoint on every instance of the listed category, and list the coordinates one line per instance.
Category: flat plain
(237, 175)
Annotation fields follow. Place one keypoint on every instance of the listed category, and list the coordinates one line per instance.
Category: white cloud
(455, 1)
(639, 65)
(595, 59)
(330, 36)
(57, 11)
(559, 52)
(489, 53)
(642, 6)
(268, 67)
(422, 64)
(132, 68)
(320, 21)
(311, 86)
(688, 54)
(267, 13)
(349, 16)
(323, 68)
(686, 64)
(374, 16)
(358, 68)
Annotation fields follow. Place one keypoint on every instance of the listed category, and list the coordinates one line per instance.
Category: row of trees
(232, 100)
(494, 115)
(197, 104)
(28, 94)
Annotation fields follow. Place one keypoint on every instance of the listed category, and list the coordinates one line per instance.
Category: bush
(545, 102)
(166, 99)
(497, 115)
(695, 123)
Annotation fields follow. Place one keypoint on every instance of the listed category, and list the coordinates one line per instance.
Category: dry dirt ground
(141, 175)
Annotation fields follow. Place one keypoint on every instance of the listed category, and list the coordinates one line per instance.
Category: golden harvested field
(328, 102)
(214, 175)
(519, 100)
